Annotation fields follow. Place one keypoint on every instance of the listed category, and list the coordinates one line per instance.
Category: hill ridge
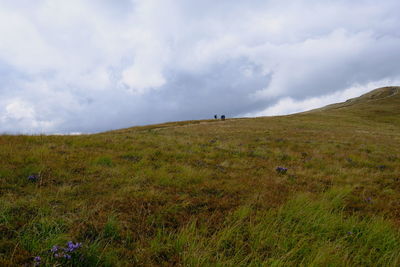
(371, 96)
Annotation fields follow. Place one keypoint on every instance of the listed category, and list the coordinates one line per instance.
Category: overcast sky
(93, 65)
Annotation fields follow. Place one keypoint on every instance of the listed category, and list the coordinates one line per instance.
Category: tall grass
(304, 231)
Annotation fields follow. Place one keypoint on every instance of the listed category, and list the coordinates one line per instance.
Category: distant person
(223, 117)
(215, 117)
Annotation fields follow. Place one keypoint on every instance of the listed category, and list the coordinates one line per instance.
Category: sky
(85, 66)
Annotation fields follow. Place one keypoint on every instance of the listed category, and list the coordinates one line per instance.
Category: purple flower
(382, 167)
(54, 249)
(37, 260)
(71, 247)
(33, 177)
(281, 170)
(368, 200)
(65, 252)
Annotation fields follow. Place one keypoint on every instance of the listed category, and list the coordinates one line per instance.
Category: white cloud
(139, 79)
(18, 110)
(143, 61)
(22, 114)
(289, 105)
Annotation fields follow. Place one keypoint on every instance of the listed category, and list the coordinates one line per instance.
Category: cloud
(288, 105)
(88, 66)
(21, 114)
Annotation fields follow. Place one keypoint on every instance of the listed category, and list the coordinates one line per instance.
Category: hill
(210, 192)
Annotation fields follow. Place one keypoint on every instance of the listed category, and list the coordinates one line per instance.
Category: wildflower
(71, 247)
(281, 170)
(37, 260)
(65, 252)
(33, 177)
(382, 167)
(54, 249)
(368, 200)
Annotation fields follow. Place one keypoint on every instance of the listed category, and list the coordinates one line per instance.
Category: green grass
(204, 193)
(302, 232)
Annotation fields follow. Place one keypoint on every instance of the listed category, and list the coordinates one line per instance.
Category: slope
(207, 192)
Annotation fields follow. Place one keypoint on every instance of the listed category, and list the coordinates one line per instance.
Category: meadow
(208, 193)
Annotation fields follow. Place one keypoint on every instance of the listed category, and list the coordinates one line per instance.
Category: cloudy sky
(94, 65)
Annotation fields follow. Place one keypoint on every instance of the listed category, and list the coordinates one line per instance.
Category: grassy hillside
(204, 193)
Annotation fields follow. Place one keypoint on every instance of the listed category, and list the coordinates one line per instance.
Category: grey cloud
(89, 66)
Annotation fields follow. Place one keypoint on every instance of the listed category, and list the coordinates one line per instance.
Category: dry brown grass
(156, 181)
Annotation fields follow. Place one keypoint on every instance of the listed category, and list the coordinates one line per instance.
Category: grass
(302, 232)
(204, 193)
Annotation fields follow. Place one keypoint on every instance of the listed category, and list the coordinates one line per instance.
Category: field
(208, 193)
